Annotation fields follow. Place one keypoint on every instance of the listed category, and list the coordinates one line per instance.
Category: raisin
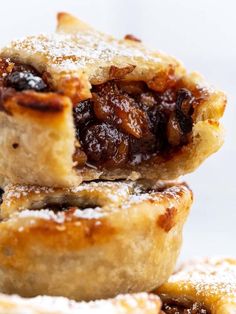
(83, 115)
(158, 122)
(185, 122)
(143, 145)
(24, 80)
(173, 131)
(183, 106)
(104, 143)
(183, 95)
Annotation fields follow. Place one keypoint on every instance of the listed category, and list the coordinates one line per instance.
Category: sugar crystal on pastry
(142, 303)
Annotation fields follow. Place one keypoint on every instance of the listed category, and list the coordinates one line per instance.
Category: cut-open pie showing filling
(80, 105)
(205, 286)
(97, 240)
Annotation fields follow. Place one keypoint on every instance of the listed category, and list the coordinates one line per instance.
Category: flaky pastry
(94, 241)
(201, 287)
(80, 105)
(142, 303)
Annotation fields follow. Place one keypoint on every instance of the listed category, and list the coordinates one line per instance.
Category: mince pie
(80, 105)
(201, 287)
(92, 241)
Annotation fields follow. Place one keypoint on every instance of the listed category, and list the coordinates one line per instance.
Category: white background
(202, 34)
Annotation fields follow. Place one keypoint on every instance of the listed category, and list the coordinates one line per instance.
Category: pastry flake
(80, 105)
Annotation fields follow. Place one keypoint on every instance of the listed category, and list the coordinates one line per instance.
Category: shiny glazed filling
(178, 308)
(124, 123)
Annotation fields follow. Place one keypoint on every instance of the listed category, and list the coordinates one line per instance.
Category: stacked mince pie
(93, 132)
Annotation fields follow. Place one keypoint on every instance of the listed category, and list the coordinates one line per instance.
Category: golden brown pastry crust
(73, 59)
(78, 56)
(128, 241)
(210, 282)
(142, 303)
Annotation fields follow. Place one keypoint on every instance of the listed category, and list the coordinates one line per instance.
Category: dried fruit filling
(126, 122)
(123, 123)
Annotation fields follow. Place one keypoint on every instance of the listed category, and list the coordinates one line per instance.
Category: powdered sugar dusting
(12, 192)
(92, 200)
(89, 213)
(72, 52)
(210, 278)
(60, 217)
(45, 214)
(18, 191)
(138, 303)
(114, 190)
(171, 193)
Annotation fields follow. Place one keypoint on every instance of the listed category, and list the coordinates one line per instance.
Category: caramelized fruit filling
(126, 122)
(123, 123)
(176, 308)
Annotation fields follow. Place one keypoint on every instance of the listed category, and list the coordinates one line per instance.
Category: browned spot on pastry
(167, 220)
(213, 123)
(151, 200)
(41, 102)
(73, 234)
(132, 37)
(94, 228)
(119, 73)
